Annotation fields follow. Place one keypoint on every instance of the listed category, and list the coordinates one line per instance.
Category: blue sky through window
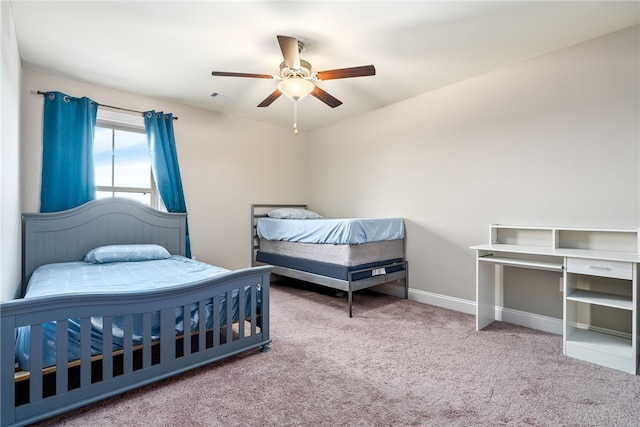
(131, 165)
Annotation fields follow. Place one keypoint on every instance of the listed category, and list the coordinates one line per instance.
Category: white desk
(579, 255)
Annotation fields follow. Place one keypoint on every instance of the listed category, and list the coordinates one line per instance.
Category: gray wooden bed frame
(68, 236)
(349, 286)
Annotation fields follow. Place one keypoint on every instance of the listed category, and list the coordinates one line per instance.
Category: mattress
(336, 271)
(346, 255)
(347, 231)
(118, 277)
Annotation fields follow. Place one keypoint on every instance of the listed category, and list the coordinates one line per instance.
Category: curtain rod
(110, 106)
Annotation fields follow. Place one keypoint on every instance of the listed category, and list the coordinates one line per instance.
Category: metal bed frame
(349, 286)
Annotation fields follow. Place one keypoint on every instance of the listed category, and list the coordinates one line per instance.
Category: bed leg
(265, 348)
(350, 303)
(406, 280)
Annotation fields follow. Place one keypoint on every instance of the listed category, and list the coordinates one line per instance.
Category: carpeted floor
(395, 363)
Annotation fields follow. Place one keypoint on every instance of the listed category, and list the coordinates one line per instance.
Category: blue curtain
(164, 163)
(67, 152)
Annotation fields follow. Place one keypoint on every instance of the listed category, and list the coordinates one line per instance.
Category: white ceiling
(167, 49)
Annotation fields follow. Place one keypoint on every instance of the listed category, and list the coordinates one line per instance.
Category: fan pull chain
(295, 116)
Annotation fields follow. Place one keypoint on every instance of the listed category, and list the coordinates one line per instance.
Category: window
(121, 158)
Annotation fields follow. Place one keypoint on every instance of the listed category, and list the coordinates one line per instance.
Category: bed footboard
(43, 392)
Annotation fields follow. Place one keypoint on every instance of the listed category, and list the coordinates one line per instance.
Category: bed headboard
(69, 235)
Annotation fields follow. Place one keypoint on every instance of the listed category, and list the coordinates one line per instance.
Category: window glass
(132, 166)
(102, 156)
(121, 162)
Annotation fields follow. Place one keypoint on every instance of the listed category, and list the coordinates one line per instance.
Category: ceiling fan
(296, 75)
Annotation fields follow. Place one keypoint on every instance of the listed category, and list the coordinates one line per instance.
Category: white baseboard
(548, 324)
(450, 303)
(522, 318)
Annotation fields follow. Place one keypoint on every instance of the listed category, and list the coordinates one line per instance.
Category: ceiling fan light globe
(295, 88)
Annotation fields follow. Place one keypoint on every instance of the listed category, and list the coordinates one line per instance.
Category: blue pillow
(126, 253)
(293, 213)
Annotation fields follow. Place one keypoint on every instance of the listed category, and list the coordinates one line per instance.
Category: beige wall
(551, 141)
(10, 76)
(226, 163)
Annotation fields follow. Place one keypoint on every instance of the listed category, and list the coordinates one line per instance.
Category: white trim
(450, 303)
(122, 120)
(539, 322)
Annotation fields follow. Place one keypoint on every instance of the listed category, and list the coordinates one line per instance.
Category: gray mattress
(346, 255)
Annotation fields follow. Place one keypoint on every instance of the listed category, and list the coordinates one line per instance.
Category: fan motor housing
(304, 71)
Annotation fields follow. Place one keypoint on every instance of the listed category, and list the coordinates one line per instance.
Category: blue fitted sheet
(346, 231)
(119, 277)
(85, 277)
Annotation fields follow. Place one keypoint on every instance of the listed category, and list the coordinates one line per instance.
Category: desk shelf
(598, 341)
(605, 239)
(517, 262)
(602, 299)
(603, 349)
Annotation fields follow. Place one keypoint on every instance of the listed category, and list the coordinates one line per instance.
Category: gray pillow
(293, 213)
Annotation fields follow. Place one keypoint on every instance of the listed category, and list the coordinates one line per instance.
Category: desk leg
(485, 293)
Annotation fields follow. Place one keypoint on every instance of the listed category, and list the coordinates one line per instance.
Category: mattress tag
(378, 271)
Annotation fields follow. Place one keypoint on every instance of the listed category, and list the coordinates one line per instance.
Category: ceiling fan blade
(290, 52)
(269, 99)
(230, 74)
(344, 73)
(325, 97)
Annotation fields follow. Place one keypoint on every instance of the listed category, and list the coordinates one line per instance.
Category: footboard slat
(146, 340)
(62, 344)
(241, 314)
(7, 388)
(167, 335)
(202, 325)
(253, 314)
(229, 305)
(216, 321)
(127, 344)
(107, 343)
(85, 349)
(186, 342)
(35, 386)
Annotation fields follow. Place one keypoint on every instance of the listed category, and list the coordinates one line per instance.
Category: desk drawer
(597, 267)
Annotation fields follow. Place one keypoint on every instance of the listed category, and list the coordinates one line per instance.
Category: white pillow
(293, 213)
